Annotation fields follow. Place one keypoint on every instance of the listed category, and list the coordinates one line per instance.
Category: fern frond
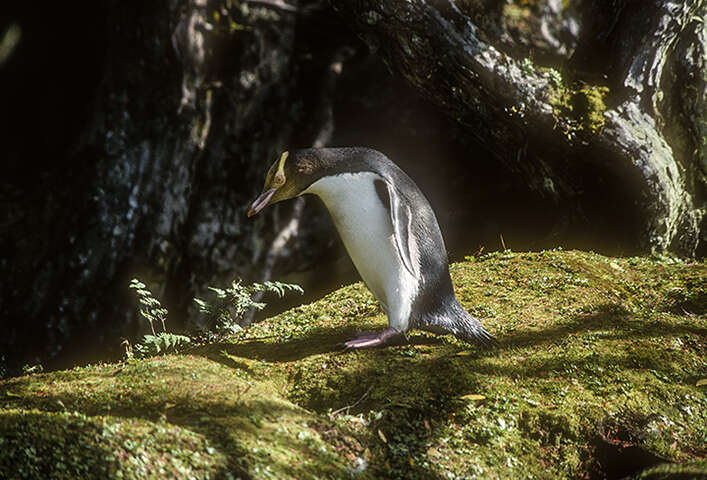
(233, 302)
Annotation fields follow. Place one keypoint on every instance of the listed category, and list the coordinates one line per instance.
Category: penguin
(390, 232)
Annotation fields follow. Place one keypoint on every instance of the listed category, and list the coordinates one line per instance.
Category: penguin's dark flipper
(386, 338)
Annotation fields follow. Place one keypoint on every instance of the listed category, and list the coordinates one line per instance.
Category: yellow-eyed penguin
(390, 232)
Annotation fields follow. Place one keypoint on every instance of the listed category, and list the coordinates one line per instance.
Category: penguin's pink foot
(372, 340)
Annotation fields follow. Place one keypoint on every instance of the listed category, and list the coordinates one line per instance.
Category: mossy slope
(596, 376)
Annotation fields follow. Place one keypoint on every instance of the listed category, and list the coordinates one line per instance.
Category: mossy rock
(596, 375)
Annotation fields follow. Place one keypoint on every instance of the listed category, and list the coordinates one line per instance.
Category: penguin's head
(287, 178)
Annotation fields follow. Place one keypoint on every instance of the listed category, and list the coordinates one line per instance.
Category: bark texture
(565, 91)
(182, 102)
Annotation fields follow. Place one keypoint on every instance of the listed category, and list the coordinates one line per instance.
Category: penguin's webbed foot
(372, 340)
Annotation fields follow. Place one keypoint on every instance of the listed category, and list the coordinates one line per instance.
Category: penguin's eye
(278, 181)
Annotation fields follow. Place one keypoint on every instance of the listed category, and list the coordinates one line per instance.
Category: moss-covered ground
(599, 373)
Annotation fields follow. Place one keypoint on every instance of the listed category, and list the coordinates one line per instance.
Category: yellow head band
(281, 165)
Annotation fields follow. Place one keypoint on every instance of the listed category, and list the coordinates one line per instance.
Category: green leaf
(220, 292)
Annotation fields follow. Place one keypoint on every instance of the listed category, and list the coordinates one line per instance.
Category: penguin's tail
(458, 322)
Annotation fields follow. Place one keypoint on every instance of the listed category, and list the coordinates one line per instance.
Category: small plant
(163, 342)
(30, 369)
(555, 77)
(232, 303)
(153, 311)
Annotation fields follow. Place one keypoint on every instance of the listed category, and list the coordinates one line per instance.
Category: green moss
(40, 444)
(591, 107)
(583, 105)
(225, 421)
(596, 355)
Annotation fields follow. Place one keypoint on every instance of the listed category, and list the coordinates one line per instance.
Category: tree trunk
(142, 131)
(598, 105)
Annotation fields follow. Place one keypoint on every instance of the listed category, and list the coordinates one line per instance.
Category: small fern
(163, 342)
(232, 303)
(152, 310)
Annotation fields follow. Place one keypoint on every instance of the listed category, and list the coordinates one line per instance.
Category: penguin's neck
(351, 200)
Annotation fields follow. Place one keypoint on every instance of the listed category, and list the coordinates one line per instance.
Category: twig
(348, 407)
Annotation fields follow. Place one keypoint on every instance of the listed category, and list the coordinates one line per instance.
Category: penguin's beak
(261, 202)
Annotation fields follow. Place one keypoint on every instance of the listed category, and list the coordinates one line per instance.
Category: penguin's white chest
(366, 229)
